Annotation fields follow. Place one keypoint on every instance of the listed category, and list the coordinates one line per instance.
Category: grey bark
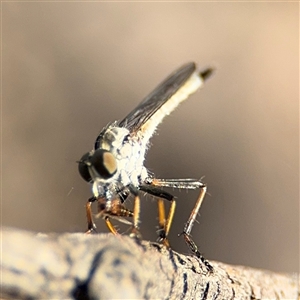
(78, 266)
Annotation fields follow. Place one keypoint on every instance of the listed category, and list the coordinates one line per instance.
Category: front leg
(89, 216)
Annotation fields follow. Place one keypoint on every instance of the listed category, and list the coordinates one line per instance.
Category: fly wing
(164, 99)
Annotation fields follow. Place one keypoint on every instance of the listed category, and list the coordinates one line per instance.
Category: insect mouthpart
(99, 164)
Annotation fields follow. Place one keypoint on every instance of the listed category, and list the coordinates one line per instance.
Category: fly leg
(189, 225)
(110, 226)
(191, 184)
(113, 209)
(135, 233)
(164, 224)
(89, 216)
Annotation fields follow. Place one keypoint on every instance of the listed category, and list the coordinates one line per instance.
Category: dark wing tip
(205, 74)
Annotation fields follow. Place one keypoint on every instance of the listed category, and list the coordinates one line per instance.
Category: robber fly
(115, 167)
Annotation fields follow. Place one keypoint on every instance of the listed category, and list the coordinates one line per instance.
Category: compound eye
(83, 167)
(104, 163)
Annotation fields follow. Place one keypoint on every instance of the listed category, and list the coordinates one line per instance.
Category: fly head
(99, 164)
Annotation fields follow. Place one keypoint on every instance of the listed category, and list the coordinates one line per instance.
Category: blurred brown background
(70, 68)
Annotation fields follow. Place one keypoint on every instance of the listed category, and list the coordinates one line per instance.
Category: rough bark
(78, 266)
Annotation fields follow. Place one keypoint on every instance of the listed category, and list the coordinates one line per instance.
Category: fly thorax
(112, 138)
(131, 158)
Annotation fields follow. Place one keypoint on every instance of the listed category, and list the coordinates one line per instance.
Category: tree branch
(103, 266)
